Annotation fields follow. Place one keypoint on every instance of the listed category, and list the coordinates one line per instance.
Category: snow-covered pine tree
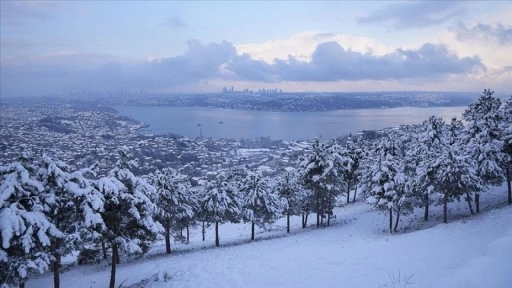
(506, 128)
(128, 212)
(25, 232)
(386, 180)
(424, 155)
(352, 175)
(219, 203)
(174, 200)
(292, 194)
(313, 168)
(71, 204)
(260, 203)
(336, 184)
(482, 139)
(454, 171)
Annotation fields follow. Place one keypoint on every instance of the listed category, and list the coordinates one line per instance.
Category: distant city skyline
(48, 47)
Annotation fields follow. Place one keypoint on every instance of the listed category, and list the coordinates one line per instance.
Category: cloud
(78, 71)
(415, 14)
(331, 62)
(498, 33)
(175, 22)
(302, 45)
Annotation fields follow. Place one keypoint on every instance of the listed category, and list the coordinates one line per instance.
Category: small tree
(128, 212)
(314, 166)
(25, 232)
(386, 180)
(260, 203)
(71, 204)
(429, 146)
(482, 139)
(174, 200)
(219, 203)
(506, 128)
(292, 193)
(455, 173)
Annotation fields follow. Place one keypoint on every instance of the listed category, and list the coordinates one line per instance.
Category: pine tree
(292, 193)
(424, 155)
(506, 128)
(454, 174)
(128, 212)
(260, 203)
(25, 232)
(482, 139)
(219, 203)
(71, 204)
(174, 200)
(314, 167)
(386, 180)
(352, 175)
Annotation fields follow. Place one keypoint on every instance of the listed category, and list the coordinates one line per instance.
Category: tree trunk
(348, 194)
(427, 200)
(468, 198)
(104, 248)
(252, 231)
(391, 220)
(288, 221)
(445, 208)
(509, 179)
(323, 212)
(317, 210)
(188, 234)
(217, 241)
(397, 219)
(355, 192)
(204, 230)
(168, 240)
(304, 220)
(115, 256)
(56, 270)
(22, 284)
(118, 257)
(329, 212)
(477, 202)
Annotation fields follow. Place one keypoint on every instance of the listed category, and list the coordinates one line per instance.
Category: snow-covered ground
(470, 251)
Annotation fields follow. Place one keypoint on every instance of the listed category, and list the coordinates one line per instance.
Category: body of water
(237, 124)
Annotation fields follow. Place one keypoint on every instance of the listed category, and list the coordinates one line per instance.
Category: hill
(470, 251)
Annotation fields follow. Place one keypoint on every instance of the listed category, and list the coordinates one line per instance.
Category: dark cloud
(415, 14)
(330, 62)
(498, 33)
(199, 62)
(175, 22)
(247, 68)
(103, 72)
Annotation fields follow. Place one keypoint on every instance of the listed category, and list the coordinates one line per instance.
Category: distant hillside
(289, 102)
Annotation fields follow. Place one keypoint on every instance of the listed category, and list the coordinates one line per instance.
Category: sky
(56, 47)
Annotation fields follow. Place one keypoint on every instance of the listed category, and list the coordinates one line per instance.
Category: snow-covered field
(470, 251)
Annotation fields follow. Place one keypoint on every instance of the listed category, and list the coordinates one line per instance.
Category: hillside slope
(468, 252)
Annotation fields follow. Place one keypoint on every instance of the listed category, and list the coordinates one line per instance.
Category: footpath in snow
(469, 252)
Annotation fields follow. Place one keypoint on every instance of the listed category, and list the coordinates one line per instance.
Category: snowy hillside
(470, 251)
